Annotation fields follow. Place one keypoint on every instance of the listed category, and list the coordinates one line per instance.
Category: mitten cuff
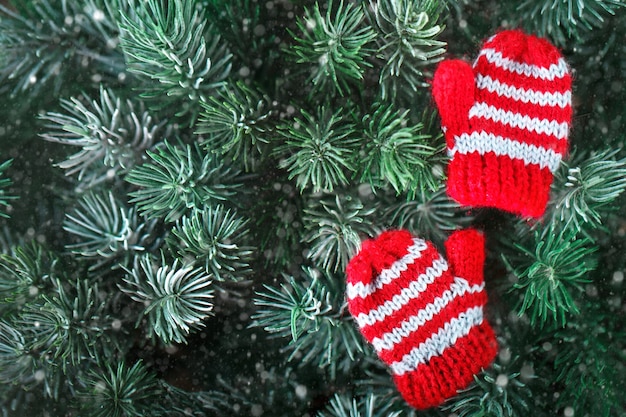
(444, 375)
(498, 181)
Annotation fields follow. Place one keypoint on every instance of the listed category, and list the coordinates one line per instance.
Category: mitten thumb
(465, 250)
(453, 91)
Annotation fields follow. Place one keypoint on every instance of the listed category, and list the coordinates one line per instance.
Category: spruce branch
(5, 182)
(369, 406)
(407, 31)
(16, 364)
(563, 19)
(216, 238)
(318, 150)
(48, 45)
(177, 178)
(237, 122)
(498, 391)
(591, 352)
(554, 264)
(307, 310)
(64, 325)
(334, 46)
(293, 309)
(176, 298)
(112, 134)
(433, 214)
(120, 391)
(335, 227)
(585, 189)
(396, 152)
(106, 229)
(170, 46)
(25, 274)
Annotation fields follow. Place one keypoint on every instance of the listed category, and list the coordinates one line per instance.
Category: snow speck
(259, 30)
(32, 79)
(502, 381)
(33, 291)
(505, 355)
(256, 410)
(98, 15)
(244, 71)
(116, 324)
(568, 412)
(301, 391)
(527, 372)
(618, 277)
(40, 375)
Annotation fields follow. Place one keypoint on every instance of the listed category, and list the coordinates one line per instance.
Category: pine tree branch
(176, 298)
(335, 227)
(396, 152)
(318, 150)
(177, 178)
(238, 122)
(216, 238)
(108, 232)
(407, 34)
(308, 311)
(335, 47)
(553, 265)
(112, 134)
(170, 45)
(564, 19)
(120, 391)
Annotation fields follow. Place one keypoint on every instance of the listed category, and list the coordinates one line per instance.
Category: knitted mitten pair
(506, 122)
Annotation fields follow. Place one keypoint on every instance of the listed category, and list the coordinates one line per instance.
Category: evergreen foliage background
(183, 182)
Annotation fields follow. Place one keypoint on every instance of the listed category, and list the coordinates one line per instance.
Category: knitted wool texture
(506, 121)
(423, 315)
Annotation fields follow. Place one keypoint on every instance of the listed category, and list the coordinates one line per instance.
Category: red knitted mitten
(423, 316)
(506, 121)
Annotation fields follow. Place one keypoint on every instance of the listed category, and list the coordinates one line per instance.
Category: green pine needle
(169, 44)
(25, 274)
(64, 324)
(433, 214)
(335, 228)
(236, 122)
(588, 352)
(496, 392)
(293, 309)
(318, 150)
(396, 152)
(176, 299)
(106, 229)
(307, 310)
(342, 405)
(5, 183)
(553, 265)
(120, 391)
(563, 19)
(15, 362)
(112, 134)
(585, 191)
(216, 238)
(408, 32)
(178, 178)
(334, 47)
(47, 45)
